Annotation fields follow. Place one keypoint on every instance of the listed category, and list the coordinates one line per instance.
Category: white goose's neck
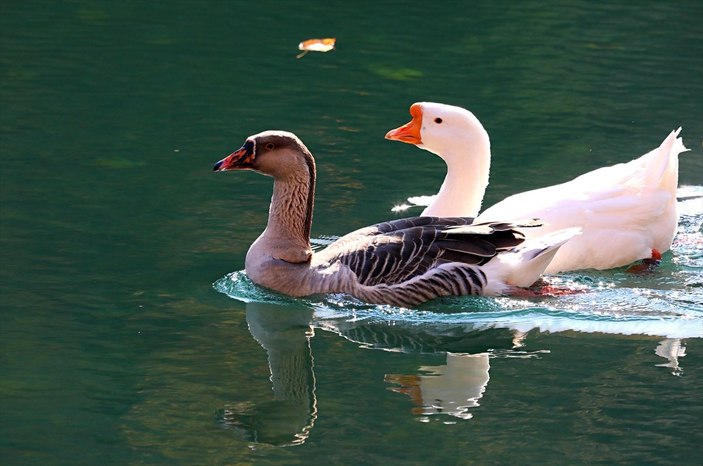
(468, 166)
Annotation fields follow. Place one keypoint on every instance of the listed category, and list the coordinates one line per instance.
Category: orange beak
(410, 132)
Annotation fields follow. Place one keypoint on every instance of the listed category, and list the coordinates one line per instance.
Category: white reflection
(451, 389)
(519, 338)
(671, 349)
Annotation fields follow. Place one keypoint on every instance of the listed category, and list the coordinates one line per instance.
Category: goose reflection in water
(671, 349)
(453, 389)
(450, 389)
(284, 332)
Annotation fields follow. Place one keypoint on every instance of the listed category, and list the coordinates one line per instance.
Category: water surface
(117, 349)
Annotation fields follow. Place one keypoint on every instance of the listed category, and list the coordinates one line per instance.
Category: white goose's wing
(625, 210)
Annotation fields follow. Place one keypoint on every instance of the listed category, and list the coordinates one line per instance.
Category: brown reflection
(284, 332)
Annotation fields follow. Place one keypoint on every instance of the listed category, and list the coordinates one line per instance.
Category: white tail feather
(524, 265)
(661, 164)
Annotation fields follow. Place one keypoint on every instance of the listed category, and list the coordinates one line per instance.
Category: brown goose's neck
(289, 212)
(290, 215)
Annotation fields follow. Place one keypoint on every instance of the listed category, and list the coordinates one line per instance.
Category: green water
(116, 349)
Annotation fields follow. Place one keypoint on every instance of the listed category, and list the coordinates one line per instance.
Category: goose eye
(269, 146)
(438, 120)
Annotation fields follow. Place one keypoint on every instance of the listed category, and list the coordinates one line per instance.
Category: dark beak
(241, 159)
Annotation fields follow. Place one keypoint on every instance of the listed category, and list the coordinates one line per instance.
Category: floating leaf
(316, 45)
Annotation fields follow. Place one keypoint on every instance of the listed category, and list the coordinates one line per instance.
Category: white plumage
(627, 211)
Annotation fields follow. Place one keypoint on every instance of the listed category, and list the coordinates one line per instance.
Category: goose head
(444, 130)
(456, 136)
(279, 154)
(284, 157)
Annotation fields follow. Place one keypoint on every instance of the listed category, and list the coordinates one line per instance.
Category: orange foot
(542, 289)
(549, 290)
(646, 265)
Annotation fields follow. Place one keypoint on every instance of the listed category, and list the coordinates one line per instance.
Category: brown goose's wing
(395, 252)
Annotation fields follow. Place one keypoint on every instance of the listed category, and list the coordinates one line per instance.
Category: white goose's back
(625, 211)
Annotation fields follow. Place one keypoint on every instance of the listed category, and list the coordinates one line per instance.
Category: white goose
(627, 212)
(404, 262)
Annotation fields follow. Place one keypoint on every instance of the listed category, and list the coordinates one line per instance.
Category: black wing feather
(396, 251)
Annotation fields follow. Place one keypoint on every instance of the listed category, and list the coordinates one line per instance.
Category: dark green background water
(116, 349)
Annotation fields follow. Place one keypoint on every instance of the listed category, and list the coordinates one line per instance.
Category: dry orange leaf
(316, 45)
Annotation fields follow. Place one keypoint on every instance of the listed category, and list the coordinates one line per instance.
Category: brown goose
(403, 262)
